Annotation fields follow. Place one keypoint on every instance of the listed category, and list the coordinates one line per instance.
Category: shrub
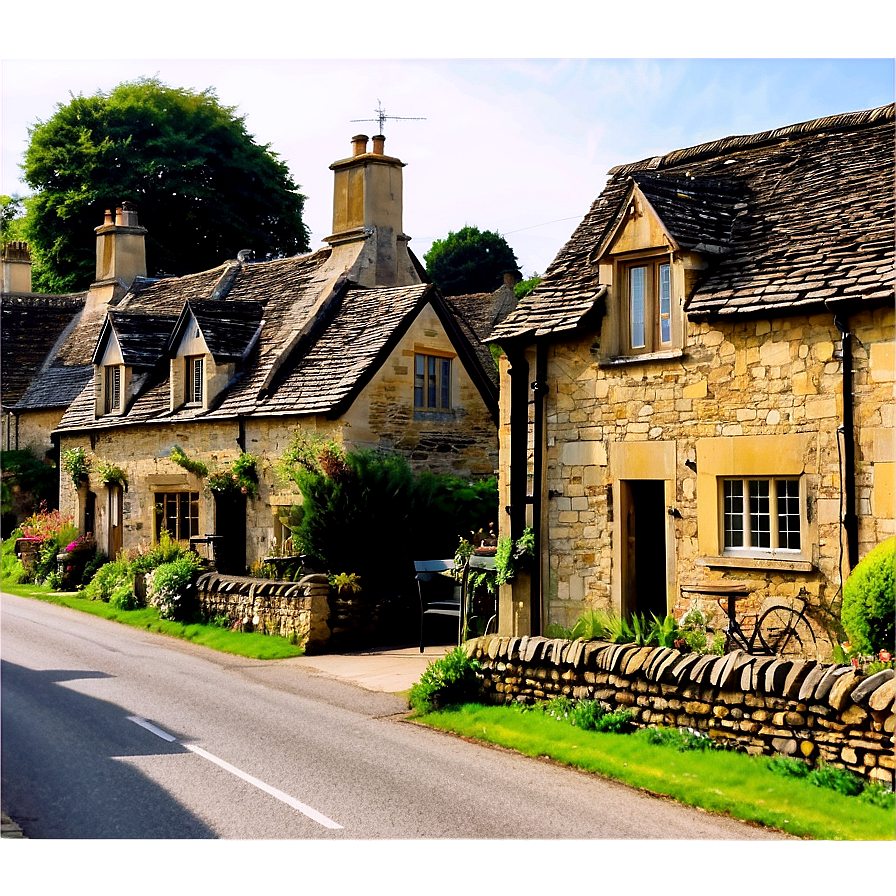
(10, 566)
(447, 681)
(109, 579)
(168, 586)
(838, 779)
(869, 605)
(368, 511)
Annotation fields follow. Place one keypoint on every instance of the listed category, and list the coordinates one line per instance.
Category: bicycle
(782, 629)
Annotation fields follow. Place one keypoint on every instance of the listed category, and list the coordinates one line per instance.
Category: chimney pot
(359, 144)
(108, 219)
(119, 216)
(378, 143)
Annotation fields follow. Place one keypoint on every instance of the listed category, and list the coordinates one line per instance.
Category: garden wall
(308, 611)
(763, 705)
(297, 610)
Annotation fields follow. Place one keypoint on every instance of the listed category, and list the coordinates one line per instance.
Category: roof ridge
(843, 121)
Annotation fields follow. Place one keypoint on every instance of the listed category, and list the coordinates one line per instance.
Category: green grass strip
(718, 781)
(253, 645)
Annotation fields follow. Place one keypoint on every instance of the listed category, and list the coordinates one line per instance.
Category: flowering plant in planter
(76, 463)
(112, 474)
(240, 478)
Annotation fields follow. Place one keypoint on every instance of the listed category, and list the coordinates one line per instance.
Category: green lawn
(247, 644)
(718, 781)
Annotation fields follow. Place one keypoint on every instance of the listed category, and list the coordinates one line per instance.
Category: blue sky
(518, 145)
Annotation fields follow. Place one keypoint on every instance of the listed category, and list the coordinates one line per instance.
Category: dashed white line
(313, 814)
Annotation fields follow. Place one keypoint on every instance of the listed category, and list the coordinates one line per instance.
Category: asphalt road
(111, 732)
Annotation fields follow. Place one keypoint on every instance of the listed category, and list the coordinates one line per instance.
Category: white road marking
(313, 814)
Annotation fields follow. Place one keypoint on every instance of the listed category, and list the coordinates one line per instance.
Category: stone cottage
(350, 341)
(700, 391)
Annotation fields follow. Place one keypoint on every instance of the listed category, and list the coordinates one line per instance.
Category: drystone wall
(763, 705)
(297, 610)
(308, 611)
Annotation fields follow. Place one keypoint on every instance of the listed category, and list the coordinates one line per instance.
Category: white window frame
(749, 514)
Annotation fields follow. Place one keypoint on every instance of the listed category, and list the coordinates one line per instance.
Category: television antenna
(381, 117)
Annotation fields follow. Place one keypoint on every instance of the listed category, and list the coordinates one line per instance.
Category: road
(113, 732)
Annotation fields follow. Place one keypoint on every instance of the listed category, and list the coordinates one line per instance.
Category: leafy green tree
(469, 261)
(203, 187)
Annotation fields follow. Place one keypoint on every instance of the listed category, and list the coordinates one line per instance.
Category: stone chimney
(120, 246)
(368, 239)
(15, 268)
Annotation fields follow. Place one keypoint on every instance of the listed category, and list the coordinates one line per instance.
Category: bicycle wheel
(785, 632)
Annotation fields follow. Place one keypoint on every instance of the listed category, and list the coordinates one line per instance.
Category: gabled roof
(228, 328)
(789, 219)
(142, 338)
(306, 339)
(32, 324)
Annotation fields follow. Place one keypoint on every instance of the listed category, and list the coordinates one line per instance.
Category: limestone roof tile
(810, 204)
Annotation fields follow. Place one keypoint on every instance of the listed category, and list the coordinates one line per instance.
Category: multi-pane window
(432, 382)
(112, 403)
(178, 513)
(195, 374)
(649, 306)
(761, 514)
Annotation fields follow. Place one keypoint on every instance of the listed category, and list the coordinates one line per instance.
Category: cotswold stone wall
(763, 705)
(308, 611)
(736, 382)
(298, 610)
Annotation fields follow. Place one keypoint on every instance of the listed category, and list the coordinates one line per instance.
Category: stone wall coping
(835, 685)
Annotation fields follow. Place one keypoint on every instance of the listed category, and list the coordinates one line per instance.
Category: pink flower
(884, 656)
(854, 662)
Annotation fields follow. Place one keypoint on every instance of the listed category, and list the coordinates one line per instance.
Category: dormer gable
(642, 264)
(208, 346)
(128, 350)
(111, 375)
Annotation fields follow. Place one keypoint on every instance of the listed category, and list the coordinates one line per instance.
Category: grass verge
(248, 644)
(719, 781)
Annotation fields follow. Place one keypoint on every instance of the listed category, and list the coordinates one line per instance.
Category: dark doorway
(90, 514)
(230, 524)
(644, 548)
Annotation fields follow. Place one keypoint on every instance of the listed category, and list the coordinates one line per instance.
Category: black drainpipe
(241, 438)
(850, 518)
(540, 391)
(519, 428)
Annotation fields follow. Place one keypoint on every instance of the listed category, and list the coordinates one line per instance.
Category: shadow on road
(60, 775)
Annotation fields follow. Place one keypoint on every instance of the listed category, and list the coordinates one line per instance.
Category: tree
(469, 261)
(203, 187)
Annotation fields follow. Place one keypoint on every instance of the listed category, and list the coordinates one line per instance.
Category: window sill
(768, 563)
(434, 415)
(647, 358)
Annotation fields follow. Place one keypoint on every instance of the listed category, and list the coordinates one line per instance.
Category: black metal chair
(440, 593)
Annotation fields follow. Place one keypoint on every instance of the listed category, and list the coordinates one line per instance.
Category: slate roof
(303, 342)
(31, 325)
(228, 327)
(789, 219)
(142, 338)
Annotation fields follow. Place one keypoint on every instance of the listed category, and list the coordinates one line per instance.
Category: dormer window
(112, 391)
(649, 305)
(195, 378)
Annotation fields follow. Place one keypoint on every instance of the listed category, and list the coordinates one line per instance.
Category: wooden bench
(440, 593)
